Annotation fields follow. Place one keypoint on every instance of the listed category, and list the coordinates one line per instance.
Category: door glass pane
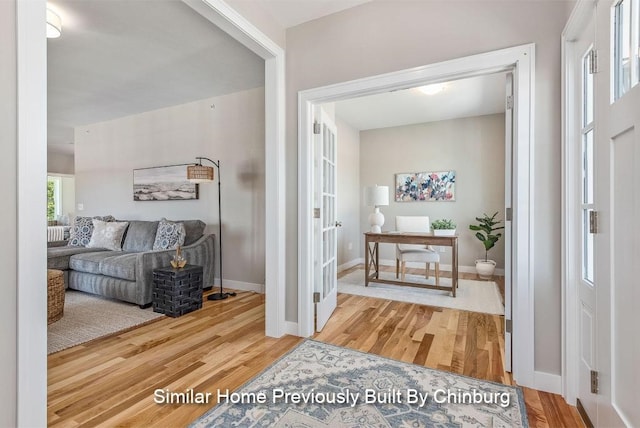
(587, 249)
(622, 47)
(587, 168)
(587, 92)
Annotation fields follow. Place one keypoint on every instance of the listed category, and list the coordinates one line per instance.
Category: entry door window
(626, 46)
(587, 204)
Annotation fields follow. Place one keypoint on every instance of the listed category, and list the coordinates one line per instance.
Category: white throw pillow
(108, 234)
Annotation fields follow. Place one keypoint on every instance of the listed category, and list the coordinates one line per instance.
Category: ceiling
(475, 96)
(116, 58)
(289, 13)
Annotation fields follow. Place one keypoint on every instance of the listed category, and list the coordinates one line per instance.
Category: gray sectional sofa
(128, 274)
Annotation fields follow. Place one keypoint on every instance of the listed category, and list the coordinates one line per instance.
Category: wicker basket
(55, 295)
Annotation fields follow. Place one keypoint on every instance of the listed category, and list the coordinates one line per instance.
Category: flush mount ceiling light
(432, 89)
(54, 25)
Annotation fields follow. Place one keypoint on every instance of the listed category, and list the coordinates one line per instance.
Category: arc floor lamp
(198, 173)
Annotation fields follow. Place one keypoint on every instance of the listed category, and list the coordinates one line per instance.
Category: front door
(325, 223)
(617, 200)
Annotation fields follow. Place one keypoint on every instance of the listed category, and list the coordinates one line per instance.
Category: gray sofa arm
(199, 253)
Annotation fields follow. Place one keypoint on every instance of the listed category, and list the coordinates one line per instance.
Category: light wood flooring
(110, 381)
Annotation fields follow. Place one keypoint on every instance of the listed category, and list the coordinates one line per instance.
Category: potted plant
(443, 227)
(485, 232)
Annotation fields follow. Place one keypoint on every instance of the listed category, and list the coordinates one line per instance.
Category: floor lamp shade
(200, 173)
(376, 196)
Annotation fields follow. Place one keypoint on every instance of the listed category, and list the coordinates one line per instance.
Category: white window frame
(634, 35)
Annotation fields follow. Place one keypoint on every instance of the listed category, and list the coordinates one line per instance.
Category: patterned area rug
(87, 317)
(476, 296)
(321, 385)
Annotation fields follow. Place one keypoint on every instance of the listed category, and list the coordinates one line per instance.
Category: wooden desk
(372, 258)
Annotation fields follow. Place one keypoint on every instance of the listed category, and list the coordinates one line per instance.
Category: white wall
(8, 218)
(473, 147)
(380, 37)
(60, 163)
(349, 195)
(233, 132)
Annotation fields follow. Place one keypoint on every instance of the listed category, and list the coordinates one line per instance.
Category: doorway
(519, 61)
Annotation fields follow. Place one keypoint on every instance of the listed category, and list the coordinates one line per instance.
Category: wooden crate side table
(55, 295)
(177, 291)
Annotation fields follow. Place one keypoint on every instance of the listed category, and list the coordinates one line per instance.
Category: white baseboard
(350, 264)
(291, 328)
(240, 285)
(547, 382)
(387, 262)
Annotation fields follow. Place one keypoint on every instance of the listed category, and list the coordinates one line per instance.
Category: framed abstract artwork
(426, 186)
(164, 183)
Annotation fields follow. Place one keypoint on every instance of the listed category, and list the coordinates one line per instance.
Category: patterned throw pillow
(108, 234)
(169, 235)
(82, 229)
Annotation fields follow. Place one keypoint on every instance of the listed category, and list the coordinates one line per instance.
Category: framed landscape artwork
(164, 183)
(426, 186)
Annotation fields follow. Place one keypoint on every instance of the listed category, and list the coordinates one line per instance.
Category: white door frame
(570, 198)
(519, 59)
(230, 21)
(32, 154)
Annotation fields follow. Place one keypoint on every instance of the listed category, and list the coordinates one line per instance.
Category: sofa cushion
(107, 234)
(140, 235)
(89, 262)
(170, 235)
(121, 266)
(82, 229)
(58, 257)
(194, 230)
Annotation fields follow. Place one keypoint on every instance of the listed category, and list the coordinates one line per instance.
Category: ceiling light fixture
(54, 25)
(432, 89)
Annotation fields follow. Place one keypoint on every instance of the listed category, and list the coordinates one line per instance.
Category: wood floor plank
(110, 381)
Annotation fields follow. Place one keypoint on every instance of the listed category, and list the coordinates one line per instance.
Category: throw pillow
(107, 234)
(82, 229)
(169, 235)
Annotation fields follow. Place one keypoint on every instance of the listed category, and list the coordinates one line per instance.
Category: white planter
(444, 232)
(485, 268)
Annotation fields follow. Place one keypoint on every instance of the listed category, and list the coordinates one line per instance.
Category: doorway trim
(234, 24)
(521, 61)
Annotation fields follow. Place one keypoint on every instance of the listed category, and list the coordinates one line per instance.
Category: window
(587, 202)
(626, 45)
(54, 199)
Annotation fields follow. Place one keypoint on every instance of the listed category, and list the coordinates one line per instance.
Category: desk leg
(454, 266)
(366, 262)
(377, 260)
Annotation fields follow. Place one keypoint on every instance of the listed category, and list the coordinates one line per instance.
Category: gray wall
(8, 218)
(381, 37)
(473, 147)
(60, 163)
(349, 198)
(233, 131)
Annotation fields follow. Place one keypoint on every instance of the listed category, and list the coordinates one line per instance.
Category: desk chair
(415, 253)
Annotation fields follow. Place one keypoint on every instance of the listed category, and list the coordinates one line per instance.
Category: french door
(325, 222)
(584, 211)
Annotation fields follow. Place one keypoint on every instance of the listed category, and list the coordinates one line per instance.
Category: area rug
(321, 385)
(476, 296)
(87, 317)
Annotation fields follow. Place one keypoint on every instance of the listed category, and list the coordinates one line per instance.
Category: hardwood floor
(110, 381)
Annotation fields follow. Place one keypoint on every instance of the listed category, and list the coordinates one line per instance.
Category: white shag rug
(87, 317)
(476, 296)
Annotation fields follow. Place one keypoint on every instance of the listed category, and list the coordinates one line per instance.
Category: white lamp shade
(54, 24)
(376, 196)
